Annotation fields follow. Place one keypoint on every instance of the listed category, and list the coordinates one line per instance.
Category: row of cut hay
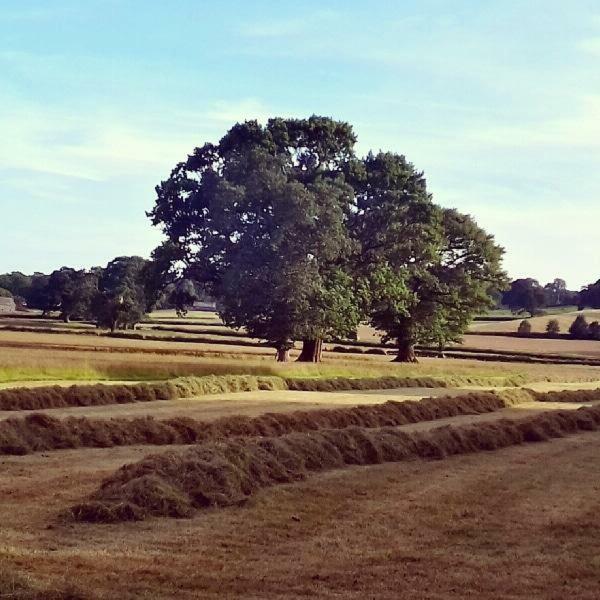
(365, 383)
(176, 484)
(41, 432)
(55, 396)
(577, 396)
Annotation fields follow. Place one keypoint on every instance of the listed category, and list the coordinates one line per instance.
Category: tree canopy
(525, 295)
(260, 220)
(299, 239)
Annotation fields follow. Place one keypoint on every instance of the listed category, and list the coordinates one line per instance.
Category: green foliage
(71, 292)
(4, 293)
(121, 298)
(440, 268)
(524, 329)
(590, 296)
(525, 295)
(594, 330)
(260, 219)
(298, 239)
(579, 329)
(553, 328)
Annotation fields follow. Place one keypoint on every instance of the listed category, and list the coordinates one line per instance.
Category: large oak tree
(260, 220)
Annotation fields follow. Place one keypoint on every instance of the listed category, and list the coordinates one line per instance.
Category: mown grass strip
(177, 484)
(41, 432)
(24, 398)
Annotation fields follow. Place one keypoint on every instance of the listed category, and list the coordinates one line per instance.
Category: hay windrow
(38, 398)
(225, 473)
(577, 396)
(100, 394)
(365, 383)
(42, 432)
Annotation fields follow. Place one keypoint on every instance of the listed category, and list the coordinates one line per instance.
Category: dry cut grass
(34, 398)
(176, 484)
(42, 432)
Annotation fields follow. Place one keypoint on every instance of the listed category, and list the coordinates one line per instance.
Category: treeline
(298, 239)
(116, 296)
(527, 295)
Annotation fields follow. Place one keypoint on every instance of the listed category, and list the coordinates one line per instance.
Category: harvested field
(42, 432)
(492, 523)
(227, 473)
(538, 324)
(550, 347)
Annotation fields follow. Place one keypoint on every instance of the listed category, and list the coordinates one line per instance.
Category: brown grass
(547, 347)
(31, 361)
(520, 523)
(18, 586)
(566, 396)
(176, 484)
(42, 432)
(364, 383)
(34, 398)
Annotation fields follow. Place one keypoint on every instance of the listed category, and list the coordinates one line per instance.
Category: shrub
(579, 328)
(553, 328)
(594, 330)
(524, 329)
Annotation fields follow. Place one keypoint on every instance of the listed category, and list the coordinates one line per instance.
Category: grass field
(486, 524)
(538, 324)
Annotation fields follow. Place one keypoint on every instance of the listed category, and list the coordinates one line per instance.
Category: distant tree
(553, 328)
(525, 295)
(38, 296)
(71, 291)
(524, 329)
(121, 298)
(16, 283)
(590, 296)
(555, 292)
(594, 330)
(579, 329)
(182, 294)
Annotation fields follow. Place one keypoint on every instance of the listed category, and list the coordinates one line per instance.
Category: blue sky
(498, 101)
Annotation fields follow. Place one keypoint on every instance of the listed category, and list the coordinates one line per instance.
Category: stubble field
(495, 519)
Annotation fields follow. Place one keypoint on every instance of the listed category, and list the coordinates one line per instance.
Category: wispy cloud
(276, 28)
(98, 146)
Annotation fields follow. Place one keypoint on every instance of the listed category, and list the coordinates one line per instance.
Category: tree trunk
(283, 354)
(66, 318)
(312, 351)
(406, 352)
